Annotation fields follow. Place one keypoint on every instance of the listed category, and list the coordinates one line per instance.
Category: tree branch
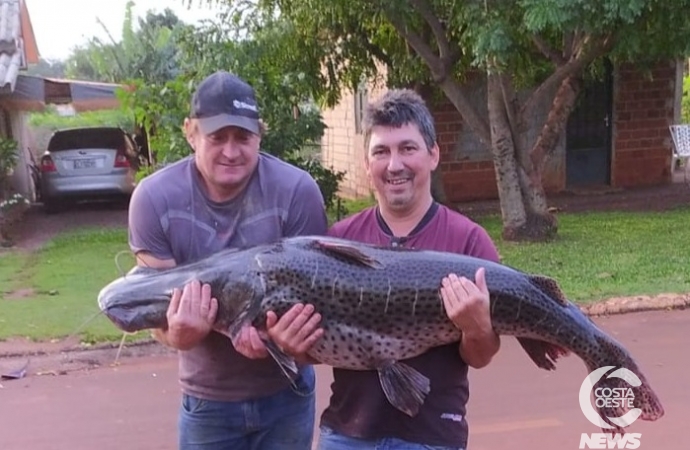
(374, 49)
(447, 55)
(469, 114)
(584, 55)
(547, 51)
(562, 106)
(441, 74)
(509, 101)
(568, 39)
(422, 48)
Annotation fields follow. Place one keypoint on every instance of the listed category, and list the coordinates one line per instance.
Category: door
(588, 134)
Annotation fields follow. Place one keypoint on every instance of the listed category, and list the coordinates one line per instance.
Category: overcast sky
(60, 25)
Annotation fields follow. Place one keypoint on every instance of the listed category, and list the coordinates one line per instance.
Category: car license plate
(84, 163)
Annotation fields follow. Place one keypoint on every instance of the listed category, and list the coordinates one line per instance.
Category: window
(360, 104)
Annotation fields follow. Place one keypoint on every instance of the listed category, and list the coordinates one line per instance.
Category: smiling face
(225, 159)
(399, 165)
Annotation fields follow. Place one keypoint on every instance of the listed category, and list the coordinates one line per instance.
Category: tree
(47, 68)
(148, 51)
(266, 60)
(544, 47)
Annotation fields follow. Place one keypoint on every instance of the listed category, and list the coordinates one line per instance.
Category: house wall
(644, 107)
(342, 146)
(18, 130)
(467, 168)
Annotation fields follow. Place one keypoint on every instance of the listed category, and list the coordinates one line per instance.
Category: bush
(327, 179)
(685, 108)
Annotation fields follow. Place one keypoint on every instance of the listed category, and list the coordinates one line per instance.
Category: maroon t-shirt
(358, 406)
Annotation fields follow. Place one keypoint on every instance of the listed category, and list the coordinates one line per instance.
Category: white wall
(21, 180)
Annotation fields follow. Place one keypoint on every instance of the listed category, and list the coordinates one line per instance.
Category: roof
(33, 93)
(10, 42)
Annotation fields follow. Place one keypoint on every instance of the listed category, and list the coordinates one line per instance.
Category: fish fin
(550, 287)
(405, 387)
(349, 252)
(286, 363)
(544, 354)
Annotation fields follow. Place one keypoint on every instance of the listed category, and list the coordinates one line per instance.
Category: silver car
(87, 163)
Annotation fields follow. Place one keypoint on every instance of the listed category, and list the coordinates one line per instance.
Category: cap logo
(242, 105)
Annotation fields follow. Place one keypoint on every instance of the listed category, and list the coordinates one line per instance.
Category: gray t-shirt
(172, 218)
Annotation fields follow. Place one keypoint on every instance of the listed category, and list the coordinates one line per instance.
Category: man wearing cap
(227, 194)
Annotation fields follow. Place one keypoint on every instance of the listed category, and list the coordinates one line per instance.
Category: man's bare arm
(145, 259)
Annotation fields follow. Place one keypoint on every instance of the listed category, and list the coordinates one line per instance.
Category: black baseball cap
(223, 99)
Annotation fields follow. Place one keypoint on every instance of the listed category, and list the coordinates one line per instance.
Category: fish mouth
(132, 304)
(135, 317)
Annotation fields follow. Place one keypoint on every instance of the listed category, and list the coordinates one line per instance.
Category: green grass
(108, 118)
(601, 255)
(595, 256)
(64, 278)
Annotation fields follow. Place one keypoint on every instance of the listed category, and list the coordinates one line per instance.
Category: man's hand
(190, 315)
(467, 306)
(466, 303)
(296, 331)
(249, 343)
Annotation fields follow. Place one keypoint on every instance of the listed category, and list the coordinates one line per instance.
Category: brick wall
(343, 148)
(466, 173)
(339, 147)
(644, 107)
(467, 164)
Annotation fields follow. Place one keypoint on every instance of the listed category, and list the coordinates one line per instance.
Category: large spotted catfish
(380, 306)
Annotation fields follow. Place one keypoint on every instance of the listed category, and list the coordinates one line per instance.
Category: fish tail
(617, 388)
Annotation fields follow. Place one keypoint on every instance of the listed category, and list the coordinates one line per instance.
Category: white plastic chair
(681, 144)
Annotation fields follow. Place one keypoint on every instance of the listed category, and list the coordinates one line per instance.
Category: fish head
(137, 301)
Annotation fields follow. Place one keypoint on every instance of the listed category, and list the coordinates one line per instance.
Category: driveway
(38, 227)
(513, 405)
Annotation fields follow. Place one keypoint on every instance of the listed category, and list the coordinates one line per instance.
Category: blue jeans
(282, 421)
(331, 440)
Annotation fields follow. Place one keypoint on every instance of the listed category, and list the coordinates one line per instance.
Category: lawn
(55, 289)
(51, 293)
(601, 255)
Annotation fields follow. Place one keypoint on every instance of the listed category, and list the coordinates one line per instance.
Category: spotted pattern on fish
(379, 306)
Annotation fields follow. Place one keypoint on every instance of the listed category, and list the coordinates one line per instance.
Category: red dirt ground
(80, 401)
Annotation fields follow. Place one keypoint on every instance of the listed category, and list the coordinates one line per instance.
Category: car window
(86, 138)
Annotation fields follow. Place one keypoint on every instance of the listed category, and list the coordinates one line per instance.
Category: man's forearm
(478, 349)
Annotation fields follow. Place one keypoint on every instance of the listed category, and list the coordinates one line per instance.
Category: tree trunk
(523, 200)
(562, 106)
(503, 149)
(540, 223)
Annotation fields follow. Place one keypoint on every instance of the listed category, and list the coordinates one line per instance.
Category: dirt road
(513, 405)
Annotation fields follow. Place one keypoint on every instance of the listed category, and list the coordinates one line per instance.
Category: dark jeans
(283, 421)
(330, 440)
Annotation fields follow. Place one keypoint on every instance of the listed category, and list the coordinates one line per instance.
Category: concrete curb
(78, 348)
(638, 303)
